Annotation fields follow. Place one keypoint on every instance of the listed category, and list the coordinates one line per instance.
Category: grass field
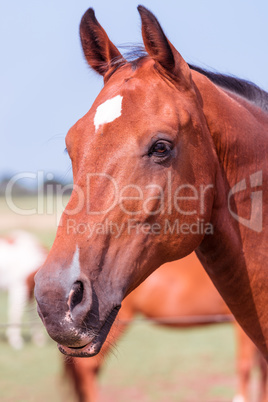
(148, 364)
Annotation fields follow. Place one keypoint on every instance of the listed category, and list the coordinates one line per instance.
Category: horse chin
(93, 347)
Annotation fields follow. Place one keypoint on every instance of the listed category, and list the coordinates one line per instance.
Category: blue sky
(46, 85)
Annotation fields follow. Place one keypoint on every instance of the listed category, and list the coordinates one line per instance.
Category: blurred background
(46, 86)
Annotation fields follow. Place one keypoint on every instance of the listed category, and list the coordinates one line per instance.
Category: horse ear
(99, 51)
(161, 49)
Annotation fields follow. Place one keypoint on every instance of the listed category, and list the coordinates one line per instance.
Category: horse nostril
(76, 295)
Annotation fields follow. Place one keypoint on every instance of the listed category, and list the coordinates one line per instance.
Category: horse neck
(238, 130)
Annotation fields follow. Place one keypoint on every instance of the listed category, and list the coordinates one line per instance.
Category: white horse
(20, 257)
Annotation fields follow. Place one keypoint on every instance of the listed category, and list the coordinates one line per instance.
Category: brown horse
(179, 294)
(168, 160)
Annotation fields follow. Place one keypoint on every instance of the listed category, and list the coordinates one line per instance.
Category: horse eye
(160, 149)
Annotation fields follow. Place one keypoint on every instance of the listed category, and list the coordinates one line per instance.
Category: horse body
(176, 147)
(178, 294)
(20, 257)
(177, 289)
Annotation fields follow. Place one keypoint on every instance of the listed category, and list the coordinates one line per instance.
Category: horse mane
(246, 89)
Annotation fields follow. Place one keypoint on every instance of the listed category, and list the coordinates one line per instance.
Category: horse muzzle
(71, 314)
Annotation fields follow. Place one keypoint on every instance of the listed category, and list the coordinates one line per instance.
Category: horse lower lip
(83, 351)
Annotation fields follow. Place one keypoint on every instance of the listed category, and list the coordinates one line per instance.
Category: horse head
(144, 172)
